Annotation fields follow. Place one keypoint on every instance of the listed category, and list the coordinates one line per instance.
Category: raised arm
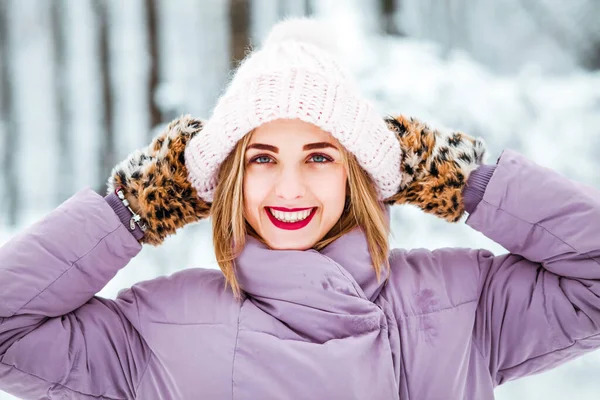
(539, 305)
(57, 338)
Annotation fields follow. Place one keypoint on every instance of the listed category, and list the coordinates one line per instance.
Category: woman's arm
(56, 338)
(538, 306)
(59, 340)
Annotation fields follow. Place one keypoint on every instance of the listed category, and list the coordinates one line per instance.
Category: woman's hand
(435, 167)
(154, 180)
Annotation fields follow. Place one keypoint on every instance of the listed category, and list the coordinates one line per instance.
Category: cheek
(254, 189)
(330, 188)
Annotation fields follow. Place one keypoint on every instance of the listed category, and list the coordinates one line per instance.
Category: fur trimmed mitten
(156, 185)
(435, 167)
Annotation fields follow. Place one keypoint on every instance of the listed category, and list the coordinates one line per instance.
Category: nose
(290, 184)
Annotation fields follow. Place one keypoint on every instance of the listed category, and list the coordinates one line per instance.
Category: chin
(289, 244)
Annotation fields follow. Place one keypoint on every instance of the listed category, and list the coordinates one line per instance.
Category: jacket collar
(351, 252)
(344, 266)
(317, 296)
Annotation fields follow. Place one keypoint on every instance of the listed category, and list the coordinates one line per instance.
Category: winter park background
(85, 82)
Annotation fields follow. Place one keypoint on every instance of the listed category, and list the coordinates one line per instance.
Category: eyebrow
(309, 146)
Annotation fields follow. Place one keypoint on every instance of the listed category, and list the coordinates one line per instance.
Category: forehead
(290, 131)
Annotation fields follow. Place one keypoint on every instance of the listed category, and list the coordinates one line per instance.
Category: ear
(435, 166)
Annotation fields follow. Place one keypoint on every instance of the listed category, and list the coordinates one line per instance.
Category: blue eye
(262, 159)
(319, 158)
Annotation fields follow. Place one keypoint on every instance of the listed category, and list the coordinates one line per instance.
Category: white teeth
(290, 216)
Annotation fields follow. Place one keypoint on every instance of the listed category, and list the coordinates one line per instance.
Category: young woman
(296, 170)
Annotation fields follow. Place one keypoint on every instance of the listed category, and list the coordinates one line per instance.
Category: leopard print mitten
(155, 182)
(435, 167)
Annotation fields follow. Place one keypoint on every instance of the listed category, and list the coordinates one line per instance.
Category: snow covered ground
(553, 119)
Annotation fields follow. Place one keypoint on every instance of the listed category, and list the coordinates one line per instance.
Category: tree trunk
(107, 147)
(594, 58)
(65, 161)
(388, 10)
(152, 26)
(10, 194)
(239, 25)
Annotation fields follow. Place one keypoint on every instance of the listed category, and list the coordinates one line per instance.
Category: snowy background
(84, 82)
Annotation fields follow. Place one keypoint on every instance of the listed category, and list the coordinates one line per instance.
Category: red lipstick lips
(290, 225)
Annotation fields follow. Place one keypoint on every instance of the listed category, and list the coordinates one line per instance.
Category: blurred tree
(595, 56)
(575, 26)
(509, 34)
(155, 114)
(65, 162)
(388, 10)
(8, 134)
(107, 147)
(239, 25)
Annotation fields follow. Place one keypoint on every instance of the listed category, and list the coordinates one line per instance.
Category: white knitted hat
(295, 75)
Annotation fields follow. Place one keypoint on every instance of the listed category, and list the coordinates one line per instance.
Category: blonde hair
(230, 226)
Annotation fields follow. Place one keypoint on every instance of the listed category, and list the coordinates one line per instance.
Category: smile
(290, 220)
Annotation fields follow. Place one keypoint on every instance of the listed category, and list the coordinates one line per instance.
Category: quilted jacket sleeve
(57, 339)
(539, 306)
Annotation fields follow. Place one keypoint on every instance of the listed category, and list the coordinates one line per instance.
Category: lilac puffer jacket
(449, 324)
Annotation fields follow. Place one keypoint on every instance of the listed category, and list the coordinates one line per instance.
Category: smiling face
(294, 183)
